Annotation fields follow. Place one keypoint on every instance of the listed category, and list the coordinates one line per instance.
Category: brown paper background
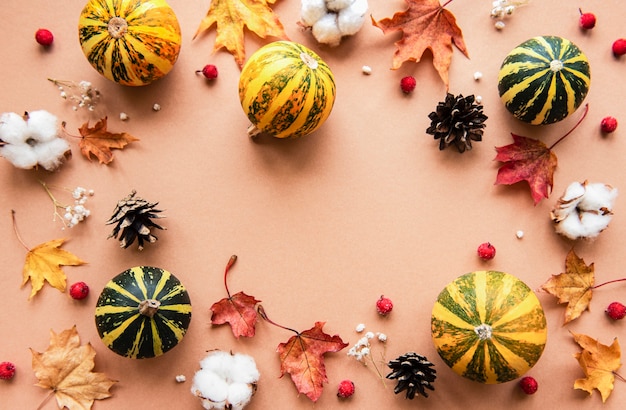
(322, 225)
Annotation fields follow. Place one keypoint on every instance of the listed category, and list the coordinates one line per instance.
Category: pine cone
(414, 373)
(457, 121)
(133, 217)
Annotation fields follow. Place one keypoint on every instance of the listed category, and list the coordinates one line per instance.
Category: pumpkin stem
(309, 60)
(253, 131)
(483, 331)
(149, 307)
(117, 27)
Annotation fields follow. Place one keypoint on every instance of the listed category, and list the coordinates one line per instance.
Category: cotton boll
(13, 128)
(593, 223)
(42, 126)
(351, 19)
(50, 154)
(20, 155)
(326, 30)
(239, 395)
(598, 196)
(337, 5)
(210, 385)
(244, 369)
(311, 11)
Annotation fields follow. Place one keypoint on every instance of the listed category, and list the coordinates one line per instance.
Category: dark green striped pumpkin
(143, 312)
(544, 79)
(286, 90)
(488, 326)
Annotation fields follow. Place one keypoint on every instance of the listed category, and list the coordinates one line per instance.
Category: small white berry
(156, 107)
(479, 99)
(519, 234)
(367, 70)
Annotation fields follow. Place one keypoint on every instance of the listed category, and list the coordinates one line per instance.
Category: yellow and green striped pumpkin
(488, 326)
(131, 42)
(286, 90)
(143, 312)
(544, 79)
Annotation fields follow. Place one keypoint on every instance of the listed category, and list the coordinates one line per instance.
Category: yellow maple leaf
(599, 362)
(230, 17)
(574, 286)
(66, 368)
(43, 263)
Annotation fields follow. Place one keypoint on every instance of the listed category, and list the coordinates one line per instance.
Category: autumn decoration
(100, 142)
(238, 310)
(425, 25)
(302, 356)
(66, 369)
(413, 373)
(133, 220)
(232, 17)
(331, 20)
(599, 363)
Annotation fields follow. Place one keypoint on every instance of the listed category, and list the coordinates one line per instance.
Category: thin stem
(609, 282)
(46, 399)
(69, 134)
(230, 263)
(55, 203)
(446, 3)
(582, 117)
(19, 238)
(262, 313)
(619, 376)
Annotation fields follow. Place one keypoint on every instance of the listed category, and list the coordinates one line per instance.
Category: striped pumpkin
(488, 326)
(143, 312)
(286, 90)
(131, 42)
(544, 79)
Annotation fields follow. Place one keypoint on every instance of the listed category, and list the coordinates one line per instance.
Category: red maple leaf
(302, 356)
(237, 310)
(528, 160)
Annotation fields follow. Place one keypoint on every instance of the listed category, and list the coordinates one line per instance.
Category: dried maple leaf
(530, 160)
(599, 362)
(66, 368)
(99, 142)
(230, 17)
(237, 310)
(574, 286)
(302, 356)
(426, 24)
(43, 263)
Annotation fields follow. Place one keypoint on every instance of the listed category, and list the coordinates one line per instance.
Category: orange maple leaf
(530, 160)
(66, 368)
(426, 24)
(230, 17)
(599, 362)
(99, 142)
(574, 286)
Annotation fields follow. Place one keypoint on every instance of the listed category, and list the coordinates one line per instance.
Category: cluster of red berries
(587, 21)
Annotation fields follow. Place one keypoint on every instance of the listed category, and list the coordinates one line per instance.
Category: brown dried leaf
(599, 363)
(99, 142)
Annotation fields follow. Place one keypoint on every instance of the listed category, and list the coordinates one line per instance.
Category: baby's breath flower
(360, 327)
(73, 214)
(501, 9)
(82, 94)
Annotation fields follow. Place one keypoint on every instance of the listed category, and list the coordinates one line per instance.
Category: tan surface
(322, 226)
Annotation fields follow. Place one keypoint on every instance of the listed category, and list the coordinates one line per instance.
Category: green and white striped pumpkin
(544, 79)
(131, 42)
(143, 312)
(488, 326)
(286, 90)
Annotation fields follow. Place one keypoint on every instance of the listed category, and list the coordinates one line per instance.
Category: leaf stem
(46, 399)
(262, 313)
(230, 263)
(619, 376)
(609, 282)
(19, 238)
(582, 117)
(446, 3)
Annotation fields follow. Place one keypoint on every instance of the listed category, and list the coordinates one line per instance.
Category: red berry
(528, 385)
(619, 47)
(587, 21)
(345, 389)
(209, 71)
(407, 84)
(7, 370)
(616, 311)
(44, 37)
(79, 290)
(608, 125)
(384, 306)
(486, 251)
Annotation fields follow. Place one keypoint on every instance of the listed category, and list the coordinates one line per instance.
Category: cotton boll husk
(244, 369)
(326, 30)
(598, 196)
(20, 155)
(239, 395)
(337, 5)
(311, 11)
(13, 128)
(210, 386)
(51, 154)
(351, 19)
(42, 125)
(573, 191)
